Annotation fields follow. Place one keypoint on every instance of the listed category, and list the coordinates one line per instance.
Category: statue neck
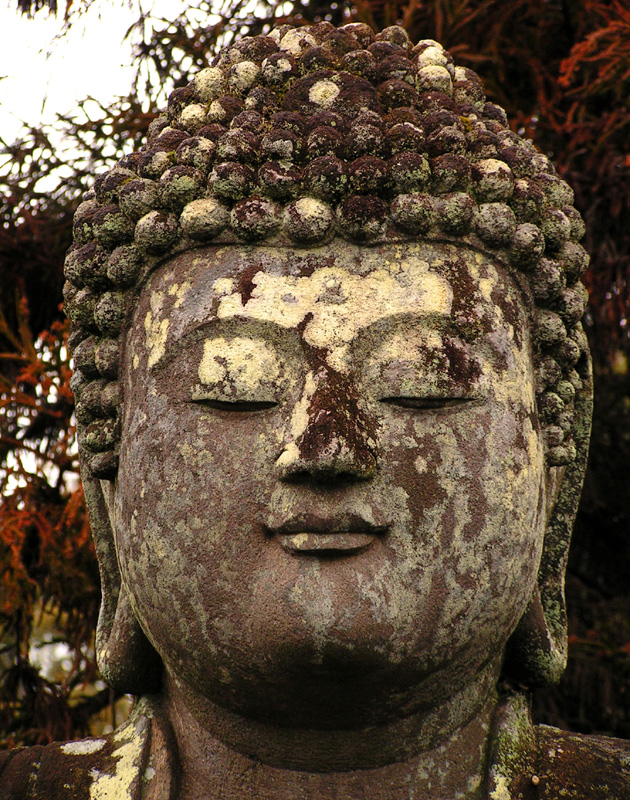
(436, 754)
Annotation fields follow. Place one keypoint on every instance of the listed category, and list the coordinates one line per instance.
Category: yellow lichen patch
(501, 790)
(128, 755)
(341, 304)
(311, 209)
(156, 329)
(296, 40)
(193, 116)
(85, 747)
(289, 455)
(323, 93)
(298, 423)
(223, 286)
(179, 292)
(240, 368)
(421, 463)
(485, 287)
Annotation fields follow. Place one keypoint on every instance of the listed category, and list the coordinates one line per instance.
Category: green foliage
(561, 68)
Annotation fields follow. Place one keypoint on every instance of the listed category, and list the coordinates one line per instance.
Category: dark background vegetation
(561, 68)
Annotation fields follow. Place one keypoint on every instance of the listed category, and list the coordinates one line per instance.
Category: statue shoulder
(537, 762)
(60, 770)
(133, 763)
(572, 765)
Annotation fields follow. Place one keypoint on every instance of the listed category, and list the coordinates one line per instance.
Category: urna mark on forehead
(331, 295)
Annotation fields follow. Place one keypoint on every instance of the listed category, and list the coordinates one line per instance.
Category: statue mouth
(327, 543)
(345, 535)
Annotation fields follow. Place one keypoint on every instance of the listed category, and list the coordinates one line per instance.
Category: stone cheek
(358, 401)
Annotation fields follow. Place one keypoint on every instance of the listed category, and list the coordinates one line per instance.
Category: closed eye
(236, 405)
(422, 403)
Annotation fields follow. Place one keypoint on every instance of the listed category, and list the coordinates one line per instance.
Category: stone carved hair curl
(311, 133)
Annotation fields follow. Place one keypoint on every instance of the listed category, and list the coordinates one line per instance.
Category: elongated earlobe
(536, 654)
(125, 656)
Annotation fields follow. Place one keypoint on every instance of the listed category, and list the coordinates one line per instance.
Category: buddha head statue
(333, 392)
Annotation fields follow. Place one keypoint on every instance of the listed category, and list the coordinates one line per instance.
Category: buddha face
(330, 503)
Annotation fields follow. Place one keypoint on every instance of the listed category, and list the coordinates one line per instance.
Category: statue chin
(334, 670)
(295, 684)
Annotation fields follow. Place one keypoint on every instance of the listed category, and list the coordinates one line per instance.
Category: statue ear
(536, 654)
(126, 658)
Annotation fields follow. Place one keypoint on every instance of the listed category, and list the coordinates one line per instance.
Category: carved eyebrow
(435, 323)
(256, 328)
(270, 330)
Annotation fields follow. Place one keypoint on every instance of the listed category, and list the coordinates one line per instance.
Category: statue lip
(335, 542)
(344, 534)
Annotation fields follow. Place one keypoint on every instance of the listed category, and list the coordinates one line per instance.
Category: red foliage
(47, 558)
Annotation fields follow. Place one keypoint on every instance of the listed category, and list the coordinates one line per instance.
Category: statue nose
(334, 446)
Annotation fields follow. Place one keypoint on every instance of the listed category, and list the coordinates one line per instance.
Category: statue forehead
(333, 297)
(341, 280)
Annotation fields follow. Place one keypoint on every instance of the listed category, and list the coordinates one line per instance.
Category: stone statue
(333, 398)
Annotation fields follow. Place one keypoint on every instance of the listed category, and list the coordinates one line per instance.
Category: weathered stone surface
(333, 407)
